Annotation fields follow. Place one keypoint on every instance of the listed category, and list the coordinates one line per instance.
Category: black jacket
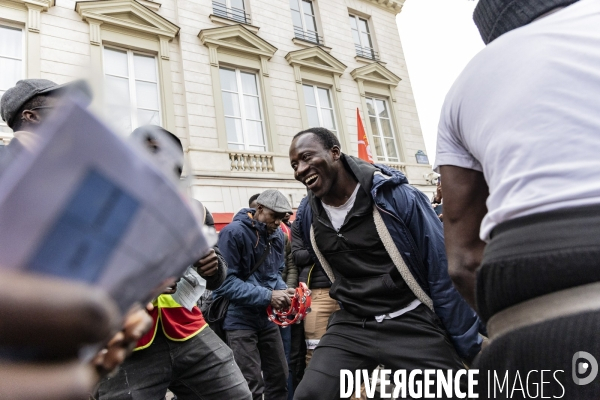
(305, 263)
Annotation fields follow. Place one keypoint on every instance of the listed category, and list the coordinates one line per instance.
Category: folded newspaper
(83, 204)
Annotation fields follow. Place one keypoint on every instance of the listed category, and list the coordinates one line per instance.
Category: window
(231, 9)
(305, 23)
(242, 109)
(131, 88)
(363, 42)
(11, 58)
(319, 107)
(381, 127)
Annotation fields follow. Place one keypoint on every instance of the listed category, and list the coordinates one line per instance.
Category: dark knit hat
(496, 17)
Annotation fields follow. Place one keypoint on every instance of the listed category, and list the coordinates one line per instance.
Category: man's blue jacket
(242, 243)
(418, 234)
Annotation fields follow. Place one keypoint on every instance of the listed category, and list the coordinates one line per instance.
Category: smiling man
(253, 247)
(382, 246)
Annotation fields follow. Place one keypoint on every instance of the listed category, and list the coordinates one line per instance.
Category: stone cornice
(394, 6)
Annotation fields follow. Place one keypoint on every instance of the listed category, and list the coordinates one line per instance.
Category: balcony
(367, 52)
(244, 162)
(397, 166)
(311, 37)
(231, 13)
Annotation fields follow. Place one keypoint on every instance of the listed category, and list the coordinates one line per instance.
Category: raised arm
(465, 194)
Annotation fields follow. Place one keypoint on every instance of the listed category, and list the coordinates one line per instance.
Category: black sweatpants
(256, 351)
(414, 340)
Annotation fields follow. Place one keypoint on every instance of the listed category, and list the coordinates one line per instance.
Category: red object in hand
(298, 309)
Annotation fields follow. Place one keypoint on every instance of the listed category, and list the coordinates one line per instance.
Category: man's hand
(136, 324)
(209, 265)
(280, 299)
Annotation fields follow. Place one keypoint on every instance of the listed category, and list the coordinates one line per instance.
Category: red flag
(364, 151)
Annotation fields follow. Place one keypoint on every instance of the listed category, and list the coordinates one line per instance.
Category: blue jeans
(286, 338)
(199, 368)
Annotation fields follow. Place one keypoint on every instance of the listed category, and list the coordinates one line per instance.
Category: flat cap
(26, 89)
(275, 200)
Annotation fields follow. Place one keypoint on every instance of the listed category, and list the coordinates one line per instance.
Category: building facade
(234, 79)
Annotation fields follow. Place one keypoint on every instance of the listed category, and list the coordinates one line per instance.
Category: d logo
(590, 365)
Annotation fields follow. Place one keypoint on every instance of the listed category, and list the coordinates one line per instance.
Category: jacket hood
(246, 217)
(387, 176)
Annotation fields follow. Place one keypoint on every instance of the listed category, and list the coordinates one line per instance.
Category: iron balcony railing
(232, 13)
(309, 36)
(367, 52)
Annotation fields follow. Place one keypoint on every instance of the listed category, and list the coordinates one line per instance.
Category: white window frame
(8, 25)
(318, 101)
(229, 7)
(240, 94)
(303, 15)
(357, 18)
(131, 80)
(379, 132)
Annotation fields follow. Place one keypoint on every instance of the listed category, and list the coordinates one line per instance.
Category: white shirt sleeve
(450, 147)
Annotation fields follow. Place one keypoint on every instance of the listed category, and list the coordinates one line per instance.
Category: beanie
(496, 17)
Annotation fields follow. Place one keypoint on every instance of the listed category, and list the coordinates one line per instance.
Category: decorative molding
(306, 43)
(316, 58)
(212, 55)
(164, 47)
(128, 14)
(361, 87)
(245, 162)
(368, 60)
(376, 73)
(33, 17)
(153, 5)
(224, 21)
(336, 82)
(34, 10)
(297, 73)
(394, 6)
(238, 38)
(264, 65)
(95, 36)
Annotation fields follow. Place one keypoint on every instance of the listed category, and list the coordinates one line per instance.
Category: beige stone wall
(70, 47)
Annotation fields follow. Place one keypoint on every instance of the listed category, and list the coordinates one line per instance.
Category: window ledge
(368, 60)
(153, 5)
(224, 21)
(306, 43)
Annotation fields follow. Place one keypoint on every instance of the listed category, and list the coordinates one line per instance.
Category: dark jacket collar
(363, 172)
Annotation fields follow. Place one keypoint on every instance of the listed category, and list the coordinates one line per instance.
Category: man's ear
(336, 153)
(30, 117)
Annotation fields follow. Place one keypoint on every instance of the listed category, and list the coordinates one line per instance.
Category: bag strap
(260, 261)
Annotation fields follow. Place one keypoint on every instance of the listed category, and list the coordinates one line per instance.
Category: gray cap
(275, 200)
(26, 89)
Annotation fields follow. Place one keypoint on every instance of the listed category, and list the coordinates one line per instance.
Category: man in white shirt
(518, 149)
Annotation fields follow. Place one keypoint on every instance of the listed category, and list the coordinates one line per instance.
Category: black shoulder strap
(260, 261)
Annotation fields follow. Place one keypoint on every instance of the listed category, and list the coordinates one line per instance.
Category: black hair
(327, 138)
(253, 198)
(36, 101)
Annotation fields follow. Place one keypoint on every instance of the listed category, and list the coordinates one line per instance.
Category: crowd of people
(395, 281)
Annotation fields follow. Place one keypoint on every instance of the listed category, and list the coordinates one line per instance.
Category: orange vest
(178, 324)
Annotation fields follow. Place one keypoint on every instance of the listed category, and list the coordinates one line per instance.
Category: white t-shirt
(337, 215)
(526, 112)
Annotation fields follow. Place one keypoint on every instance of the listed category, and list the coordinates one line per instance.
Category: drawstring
(364, 322)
